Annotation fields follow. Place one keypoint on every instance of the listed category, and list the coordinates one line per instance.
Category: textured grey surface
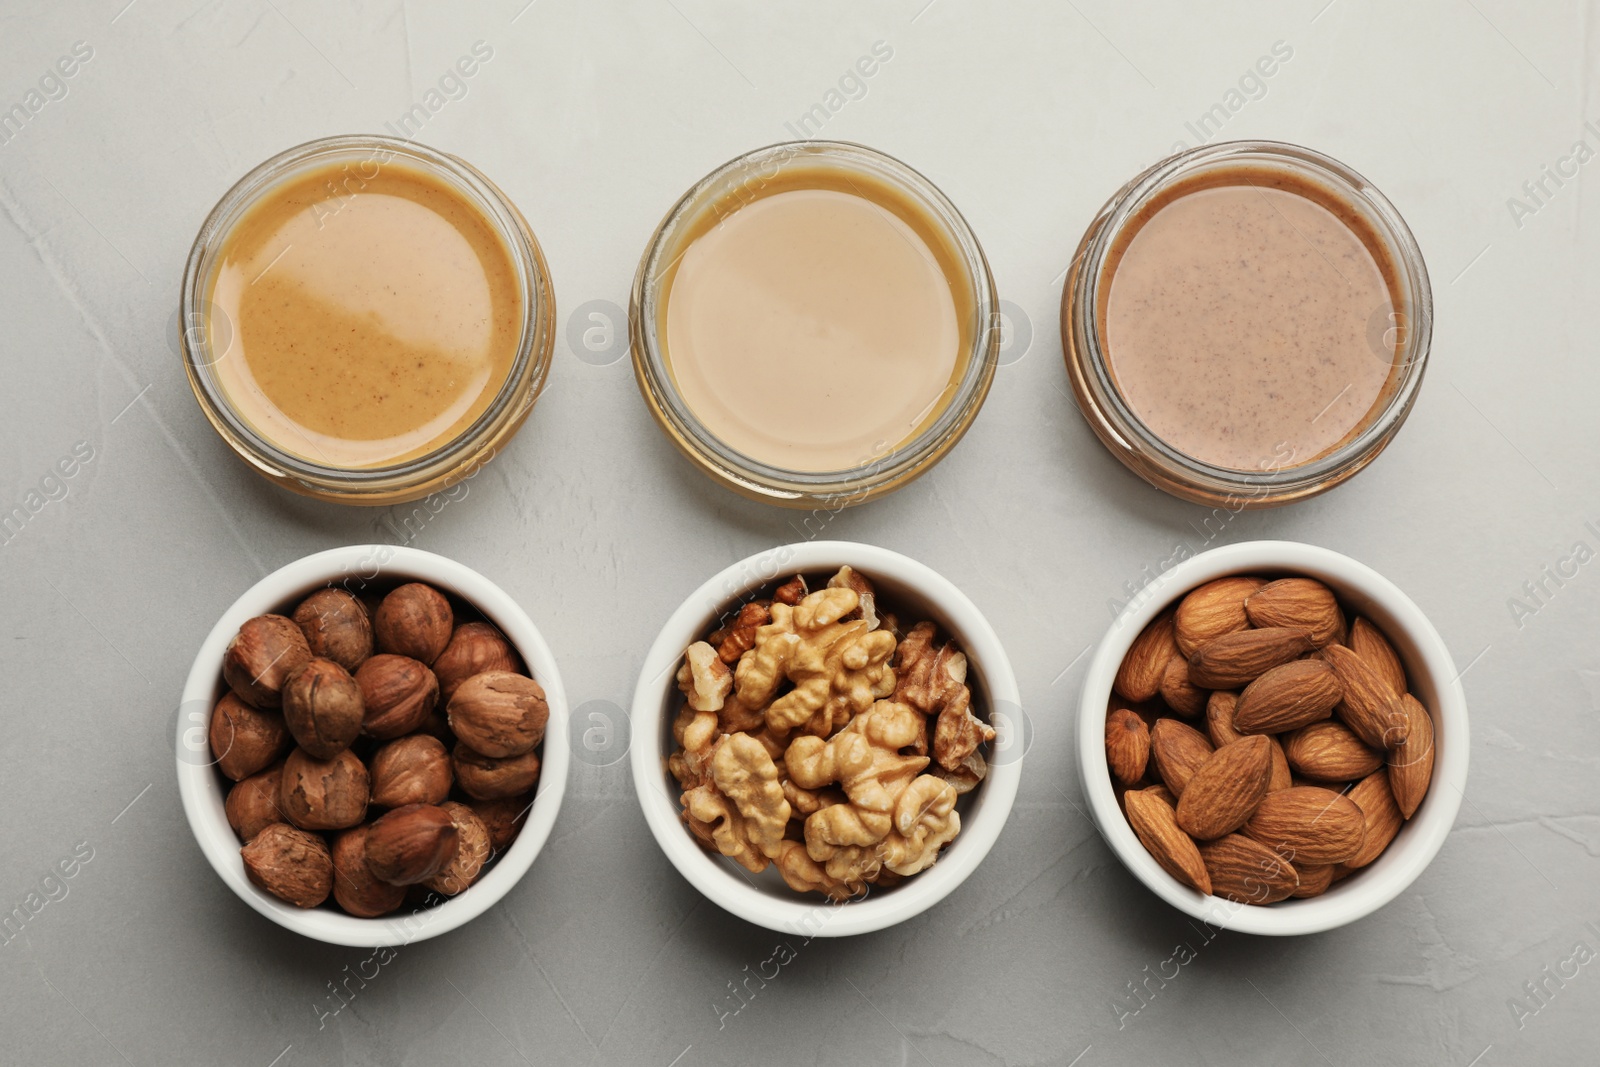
(594, 118)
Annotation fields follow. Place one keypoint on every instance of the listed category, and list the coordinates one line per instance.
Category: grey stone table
(594, 117)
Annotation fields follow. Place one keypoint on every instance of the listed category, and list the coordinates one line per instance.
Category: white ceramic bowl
(1434, 680)
(202, 787)
(917, 592)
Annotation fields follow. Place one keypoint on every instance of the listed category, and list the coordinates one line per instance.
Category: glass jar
(1403, 328)
(206, 333)
(746, 179)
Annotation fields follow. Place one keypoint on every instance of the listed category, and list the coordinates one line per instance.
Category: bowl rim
(1420, 838)
(202, 793)
(808, 915)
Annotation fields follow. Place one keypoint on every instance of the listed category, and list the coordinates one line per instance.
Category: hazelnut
(252, 804)
(398, 694)
(411, 770)
(322, 707)
(292, 865)
(475, 647)
(354, 887)
(410, 844)
(323, 794)
(336, 626)
(503, 817)
(489, 778)
(245, 739)
(436, 726)
(472, 851)
(415, 620)
(260, 656)
(499, 713)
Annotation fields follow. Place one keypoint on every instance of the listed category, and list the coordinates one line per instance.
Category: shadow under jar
(813, 324)
(1246, 324)
(366, 320)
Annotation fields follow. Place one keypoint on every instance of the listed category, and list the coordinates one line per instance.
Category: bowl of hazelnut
(371, 748)
(827, 738)
(1273, 738)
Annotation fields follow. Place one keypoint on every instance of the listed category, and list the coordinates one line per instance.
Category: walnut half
(934, 681)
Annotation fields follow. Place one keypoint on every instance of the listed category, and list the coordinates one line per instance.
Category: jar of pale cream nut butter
(1247, 324)
(814, 324)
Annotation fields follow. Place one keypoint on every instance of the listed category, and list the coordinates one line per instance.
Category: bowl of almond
(1273, 737)
(827, 738)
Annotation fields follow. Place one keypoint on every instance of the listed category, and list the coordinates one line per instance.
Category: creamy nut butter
(813, 325)
(1237, 319)
(1247, 324)
(375, 313)
(817, 326)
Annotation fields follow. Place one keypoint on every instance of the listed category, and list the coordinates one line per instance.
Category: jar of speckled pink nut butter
(1247, 324)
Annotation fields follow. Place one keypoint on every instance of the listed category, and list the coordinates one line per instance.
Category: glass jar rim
(1109, 412)
(517, 392)
(879, 473)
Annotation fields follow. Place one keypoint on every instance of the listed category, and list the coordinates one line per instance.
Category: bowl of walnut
(824, 738)
(372, 745)
(1273, 738)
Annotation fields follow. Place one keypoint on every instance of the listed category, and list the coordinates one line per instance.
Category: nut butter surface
(814, 328)
(1247, 321)
(372, 314)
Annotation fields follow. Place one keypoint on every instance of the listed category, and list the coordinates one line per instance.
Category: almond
(1247, 871)
(1225, 790)
(1163, 792)
(1212, 610)
(1127, 746)
(1139, 677)
(1411, 764)
(1297, 602)
(1308, 824)
(1237, 659)
(1180, 696)
(1287, 698)
(1177, 751)
(1219, 717)
(1314, 881)
(1369, 706)
(1148, 710)
(1154, 822)
(1368, 642)
(1378, 809)
(1281, 777)
(1330, 751)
